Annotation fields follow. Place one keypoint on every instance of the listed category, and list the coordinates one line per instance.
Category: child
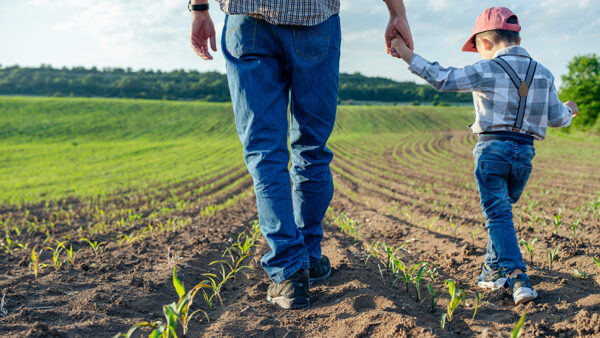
(515, 100)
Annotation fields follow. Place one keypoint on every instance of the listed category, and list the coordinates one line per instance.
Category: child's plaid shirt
(495, 97)
(284, 12)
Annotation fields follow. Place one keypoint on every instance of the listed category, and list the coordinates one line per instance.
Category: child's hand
(402, 49)
(573, 107)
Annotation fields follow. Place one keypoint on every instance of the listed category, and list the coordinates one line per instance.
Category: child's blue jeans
(502, 169)
(267, 67)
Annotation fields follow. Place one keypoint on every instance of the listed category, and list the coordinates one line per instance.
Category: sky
(154, 34)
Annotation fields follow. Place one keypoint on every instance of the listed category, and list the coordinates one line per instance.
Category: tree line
(190, 85)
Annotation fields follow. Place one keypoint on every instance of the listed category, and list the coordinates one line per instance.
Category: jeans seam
(287, 272)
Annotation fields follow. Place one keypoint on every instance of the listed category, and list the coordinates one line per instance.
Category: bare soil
(394, 195)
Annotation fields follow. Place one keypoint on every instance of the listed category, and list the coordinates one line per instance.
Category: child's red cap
(491, 19)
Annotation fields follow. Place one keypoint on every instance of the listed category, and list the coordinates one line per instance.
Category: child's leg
(518, 177)
(493, 164)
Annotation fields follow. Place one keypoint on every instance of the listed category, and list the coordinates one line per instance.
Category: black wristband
(196, 8)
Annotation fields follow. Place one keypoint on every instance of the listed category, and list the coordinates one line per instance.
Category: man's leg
(314, 54)
(259, 87)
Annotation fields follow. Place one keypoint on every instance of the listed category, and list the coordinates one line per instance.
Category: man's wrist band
(196, 8)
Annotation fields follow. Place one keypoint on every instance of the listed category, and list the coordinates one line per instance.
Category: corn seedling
(580, 274)
(70, 254)
(530, 248)
(431, 223)
(456, 296)
(596, 261)
(35, 262)
(516, 333)
(418, 277)
(348, 226)
(96, 247)
(127, 238)
(434, 296)
(551, 255)
(185, 301)
(454, 227)
(56, 255)
(477, 302)
(474, 235)
(575, 228)
(557, 221)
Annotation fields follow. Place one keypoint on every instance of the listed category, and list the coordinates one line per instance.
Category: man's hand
(203, 30)
(397, 26)
(400, 48)
(573, 107)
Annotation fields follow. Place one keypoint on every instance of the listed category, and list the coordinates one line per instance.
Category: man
(278, 53)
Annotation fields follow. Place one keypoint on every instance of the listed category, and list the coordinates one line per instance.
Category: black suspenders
(522, 87)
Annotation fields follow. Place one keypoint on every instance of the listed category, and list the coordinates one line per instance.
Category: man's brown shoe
(292, 293)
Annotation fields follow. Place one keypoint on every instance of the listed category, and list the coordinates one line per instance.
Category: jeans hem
(287, 272)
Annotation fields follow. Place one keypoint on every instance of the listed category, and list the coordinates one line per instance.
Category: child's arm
(451, 79)
(559, 114)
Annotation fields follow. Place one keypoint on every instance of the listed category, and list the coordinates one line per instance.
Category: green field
(55, 148)
(135, 188)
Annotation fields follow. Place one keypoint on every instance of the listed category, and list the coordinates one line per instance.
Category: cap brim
(469, 46)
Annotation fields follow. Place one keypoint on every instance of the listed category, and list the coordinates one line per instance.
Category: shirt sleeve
(559, 115)
(451, 79)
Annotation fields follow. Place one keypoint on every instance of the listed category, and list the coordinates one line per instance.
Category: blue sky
(154, 33)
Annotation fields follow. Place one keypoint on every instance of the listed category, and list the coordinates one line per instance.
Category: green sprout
(456, 296)
(56, 255)
(516, 333)
(96, 247)
(434, 296)
(529, 246)
(580, 274)
(557, 221)
(478, 297)
(575, 227)
(474, 235)
(35, 262)
(551, 255)
(418, 277)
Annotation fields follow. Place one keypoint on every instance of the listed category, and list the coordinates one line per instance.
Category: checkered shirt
(284, 12)
(495, 97)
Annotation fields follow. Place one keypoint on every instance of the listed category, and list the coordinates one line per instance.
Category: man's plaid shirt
(284, 12)
(495, 97)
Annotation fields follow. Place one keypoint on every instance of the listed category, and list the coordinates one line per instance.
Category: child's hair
(498, 35)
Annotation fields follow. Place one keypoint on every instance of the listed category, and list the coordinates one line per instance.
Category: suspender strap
(522, 86)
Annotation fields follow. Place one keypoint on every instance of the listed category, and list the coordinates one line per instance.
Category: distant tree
(582, 85)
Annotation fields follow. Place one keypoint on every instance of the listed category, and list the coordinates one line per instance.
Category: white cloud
(155, 33)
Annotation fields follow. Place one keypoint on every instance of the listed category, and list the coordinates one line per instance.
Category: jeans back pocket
(495, 174)
(312, 42)
(240, 36)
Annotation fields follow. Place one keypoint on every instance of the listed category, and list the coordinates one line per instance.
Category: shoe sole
(316, 279)
(524, 295)
(500, 283)
(289, 303)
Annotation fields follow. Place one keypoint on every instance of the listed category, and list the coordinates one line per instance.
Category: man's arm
(202, 30)
(398, 26)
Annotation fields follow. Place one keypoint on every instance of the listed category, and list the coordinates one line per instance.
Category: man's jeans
(502, 169)
(267, 67)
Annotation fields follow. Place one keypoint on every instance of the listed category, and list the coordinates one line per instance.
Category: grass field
(112, 194)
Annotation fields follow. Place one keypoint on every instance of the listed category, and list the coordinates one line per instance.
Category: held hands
(573, 107)
(203, 30)
(401, 50)
(398, 28)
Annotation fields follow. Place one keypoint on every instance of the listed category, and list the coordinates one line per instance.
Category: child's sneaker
(491, 278)
(521, 289)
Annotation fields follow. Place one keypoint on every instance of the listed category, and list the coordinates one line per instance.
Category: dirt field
(414, 192)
